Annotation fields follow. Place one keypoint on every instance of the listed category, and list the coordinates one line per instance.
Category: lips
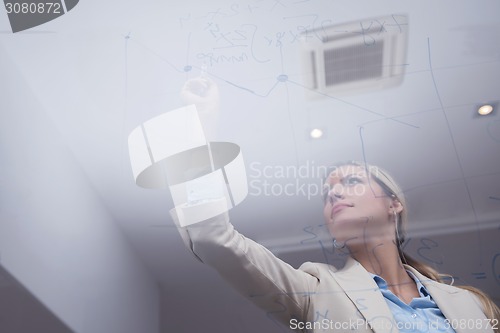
(338, 207)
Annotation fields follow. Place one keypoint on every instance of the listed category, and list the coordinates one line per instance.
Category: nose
(336, 192)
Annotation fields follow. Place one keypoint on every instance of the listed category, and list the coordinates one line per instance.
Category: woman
(380, 289)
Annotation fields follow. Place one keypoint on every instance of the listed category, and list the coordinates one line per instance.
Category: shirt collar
(382, 284)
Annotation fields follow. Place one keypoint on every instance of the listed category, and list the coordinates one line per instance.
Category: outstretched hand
(203, 92)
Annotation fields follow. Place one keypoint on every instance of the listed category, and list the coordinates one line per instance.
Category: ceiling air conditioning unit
(355, 57)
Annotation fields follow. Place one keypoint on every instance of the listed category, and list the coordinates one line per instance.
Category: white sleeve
(273, 285)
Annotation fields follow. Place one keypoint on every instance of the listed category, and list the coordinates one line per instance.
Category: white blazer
(349, 297)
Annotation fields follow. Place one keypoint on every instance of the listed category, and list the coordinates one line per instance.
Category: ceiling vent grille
(355, 57)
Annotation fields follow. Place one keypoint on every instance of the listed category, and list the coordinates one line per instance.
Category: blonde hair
(392, 189)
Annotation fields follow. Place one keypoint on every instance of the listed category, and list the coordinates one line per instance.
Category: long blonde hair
(392, 189)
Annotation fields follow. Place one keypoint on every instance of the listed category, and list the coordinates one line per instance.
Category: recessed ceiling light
(485, 109)
(316, 133)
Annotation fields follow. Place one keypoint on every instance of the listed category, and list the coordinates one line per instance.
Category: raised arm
(273, 285)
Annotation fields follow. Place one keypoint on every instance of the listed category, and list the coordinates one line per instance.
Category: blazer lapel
(456, 304)
(365, 294)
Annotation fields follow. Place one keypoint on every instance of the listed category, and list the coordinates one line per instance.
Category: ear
(396, 206)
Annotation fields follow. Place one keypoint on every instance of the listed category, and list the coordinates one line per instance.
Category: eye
(352, 180)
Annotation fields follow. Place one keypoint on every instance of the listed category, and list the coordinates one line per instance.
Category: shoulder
(316, 269)
(430, 283)
(443, 286)
(463, 294)
(351, 267)
(321, 269)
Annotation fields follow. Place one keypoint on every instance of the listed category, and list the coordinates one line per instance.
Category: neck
(381, 257)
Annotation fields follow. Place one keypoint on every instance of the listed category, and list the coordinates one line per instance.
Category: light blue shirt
(422, 315)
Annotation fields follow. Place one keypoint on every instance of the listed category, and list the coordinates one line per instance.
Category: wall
(56, 237)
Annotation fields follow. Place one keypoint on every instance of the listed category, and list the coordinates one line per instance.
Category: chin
(346, 228)
(342, 220)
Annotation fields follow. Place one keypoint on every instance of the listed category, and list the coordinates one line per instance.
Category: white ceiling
(97, 85)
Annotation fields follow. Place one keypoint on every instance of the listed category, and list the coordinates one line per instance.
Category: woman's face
(356, 206)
